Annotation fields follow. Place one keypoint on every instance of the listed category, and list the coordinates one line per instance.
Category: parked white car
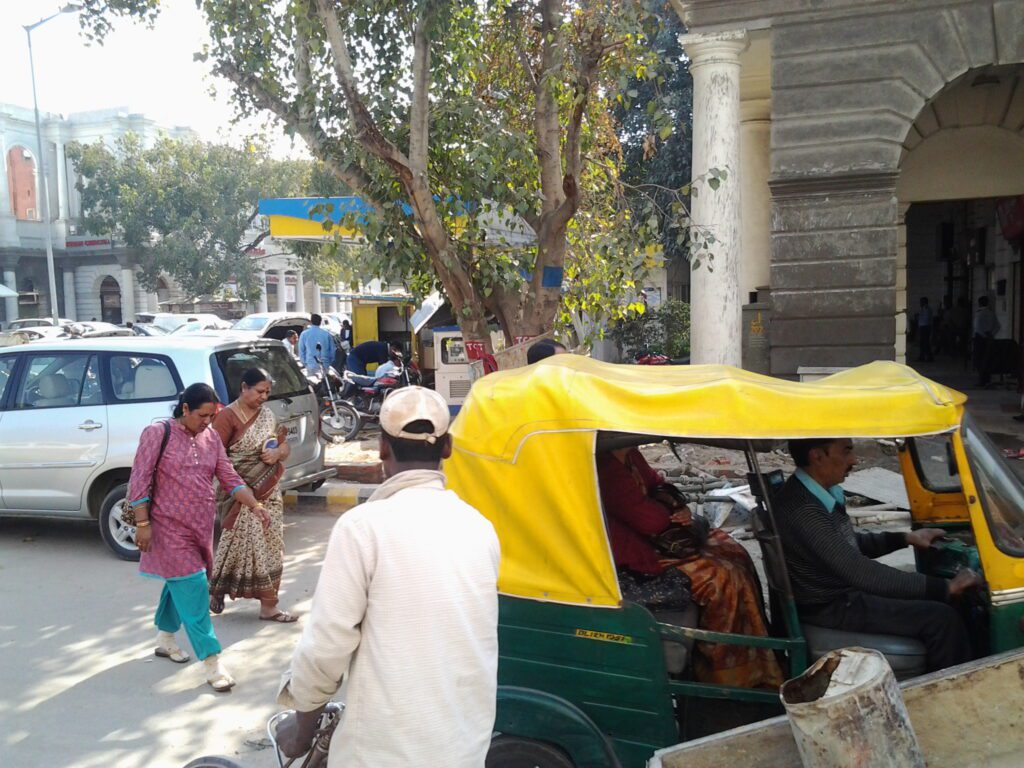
(271, 325)
(169, 321)
(71, 413)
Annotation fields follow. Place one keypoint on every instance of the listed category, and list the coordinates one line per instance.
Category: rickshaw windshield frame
(955, 485)
(994, 480)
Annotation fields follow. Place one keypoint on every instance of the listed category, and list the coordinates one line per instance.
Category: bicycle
(316, 757)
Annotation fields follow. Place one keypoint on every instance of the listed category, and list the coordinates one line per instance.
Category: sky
(146, 70)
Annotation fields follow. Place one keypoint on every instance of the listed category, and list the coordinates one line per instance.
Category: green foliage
(665, 330)
(186, 205)
(518, 136)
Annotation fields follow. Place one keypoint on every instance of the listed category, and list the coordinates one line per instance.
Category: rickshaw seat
(906, 655)
(677, 654)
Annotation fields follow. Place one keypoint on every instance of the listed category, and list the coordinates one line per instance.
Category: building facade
(95, 277)
(870, 146)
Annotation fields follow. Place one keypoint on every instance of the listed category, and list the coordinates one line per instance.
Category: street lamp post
(47, 223)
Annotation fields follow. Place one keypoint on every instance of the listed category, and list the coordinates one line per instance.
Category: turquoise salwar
(186, 600)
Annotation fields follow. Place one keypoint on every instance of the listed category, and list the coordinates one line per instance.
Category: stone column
(11, 305)
(715, 327)
(300, 292)
(70, 299)
(62, 179)
(261, 304)
(127, 295)
(900, 345)
(282, 292)
(316, 301)
(755, 197)
(153, 302)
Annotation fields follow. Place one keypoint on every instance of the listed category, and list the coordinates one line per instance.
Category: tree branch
(366, 131)
(419, 110)
(315, 137)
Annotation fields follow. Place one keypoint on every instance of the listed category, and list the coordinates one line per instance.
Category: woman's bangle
(142, 523)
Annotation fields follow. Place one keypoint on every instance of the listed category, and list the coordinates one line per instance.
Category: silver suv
(71, 413)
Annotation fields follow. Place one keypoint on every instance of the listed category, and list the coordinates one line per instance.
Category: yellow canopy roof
(525, 440)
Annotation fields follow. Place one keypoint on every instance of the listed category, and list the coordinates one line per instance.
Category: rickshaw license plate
(608, 637)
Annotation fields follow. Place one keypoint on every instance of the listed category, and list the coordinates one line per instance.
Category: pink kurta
(184, 507)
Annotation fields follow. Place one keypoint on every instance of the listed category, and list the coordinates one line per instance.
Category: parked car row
(72, 410)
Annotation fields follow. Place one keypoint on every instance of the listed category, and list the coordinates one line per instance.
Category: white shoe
(167, 648)
(217, 676)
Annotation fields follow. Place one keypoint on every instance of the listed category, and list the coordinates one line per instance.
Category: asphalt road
(81, 687)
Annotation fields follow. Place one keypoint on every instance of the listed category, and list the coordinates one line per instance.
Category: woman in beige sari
(250, 556)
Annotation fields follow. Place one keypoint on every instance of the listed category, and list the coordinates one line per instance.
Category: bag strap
(156, 464)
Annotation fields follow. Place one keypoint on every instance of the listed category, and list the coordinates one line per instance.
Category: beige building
(870, 146)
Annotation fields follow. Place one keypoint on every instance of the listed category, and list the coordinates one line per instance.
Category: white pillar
(62, 180)
(153, 302)
(316, 303)
(755, 198)
(261, 304)
(70, 300)
(282, 292)
(715, 331)
(300, 292)
(11, 305)
(127, 295)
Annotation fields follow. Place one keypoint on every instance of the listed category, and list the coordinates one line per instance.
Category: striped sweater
(827, 558)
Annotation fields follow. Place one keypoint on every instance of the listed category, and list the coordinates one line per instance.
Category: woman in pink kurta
(171, 493)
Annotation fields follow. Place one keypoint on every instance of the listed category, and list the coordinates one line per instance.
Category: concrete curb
(331, 494)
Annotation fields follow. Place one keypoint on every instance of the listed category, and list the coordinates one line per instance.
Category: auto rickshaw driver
(836, 582)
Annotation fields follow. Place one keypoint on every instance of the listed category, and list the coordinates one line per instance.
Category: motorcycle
(366, 394)
(339, 419)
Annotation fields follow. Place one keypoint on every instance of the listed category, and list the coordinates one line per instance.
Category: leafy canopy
(188, 206)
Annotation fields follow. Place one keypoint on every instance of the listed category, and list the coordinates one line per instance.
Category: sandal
(281, 617)
(221, 683)
(172, 652)
(216, 604)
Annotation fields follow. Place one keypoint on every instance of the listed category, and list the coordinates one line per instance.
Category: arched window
(21, 181)
(110, 300)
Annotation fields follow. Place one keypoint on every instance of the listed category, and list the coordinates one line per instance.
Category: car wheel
(516, 752)
(118, 536)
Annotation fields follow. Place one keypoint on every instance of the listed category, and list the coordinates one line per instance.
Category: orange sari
(724, 583)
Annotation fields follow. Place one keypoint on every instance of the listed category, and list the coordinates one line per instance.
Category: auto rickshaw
(584, 678)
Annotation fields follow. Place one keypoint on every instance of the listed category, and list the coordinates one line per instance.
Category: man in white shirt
(986, 326)
(405, 614)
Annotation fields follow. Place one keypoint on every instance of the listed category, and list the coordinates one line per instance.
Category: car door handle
(89, 425)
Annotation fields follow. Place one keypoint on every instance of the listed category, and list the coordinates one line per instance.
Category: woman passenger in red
(724, 582)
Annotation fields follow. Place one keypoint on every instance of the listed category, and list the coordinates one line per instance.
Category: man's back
(310, 337)
(411, 579)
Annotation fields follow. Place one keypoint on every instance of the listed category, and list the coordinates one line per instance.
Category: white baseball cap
(408, 404)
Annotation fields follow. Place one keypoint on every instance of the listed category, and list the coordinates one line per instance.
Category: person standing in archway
(986, 326)
(924, 332)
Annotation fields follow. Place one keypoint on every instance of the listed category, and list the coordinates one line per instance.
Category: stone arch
(23, 183)
(966, 143)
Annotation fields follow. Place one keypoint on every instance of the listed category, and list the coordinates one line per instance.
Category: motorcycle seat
(362, 381)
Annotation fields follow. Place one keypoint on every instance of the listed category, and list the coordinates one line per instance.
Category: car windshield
(251, 323)
(169, 322)
(35, 323)
(289, 381)
(1001, 491)
(190, 327)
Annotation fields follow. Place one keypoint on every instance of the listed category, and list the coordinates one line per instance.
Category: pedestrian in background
(308, 341)
(986, 326)
(171, 495)
(925, 322)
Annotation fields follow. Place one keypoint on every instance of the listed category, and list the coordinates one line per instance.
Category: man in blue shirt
(307, 345)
